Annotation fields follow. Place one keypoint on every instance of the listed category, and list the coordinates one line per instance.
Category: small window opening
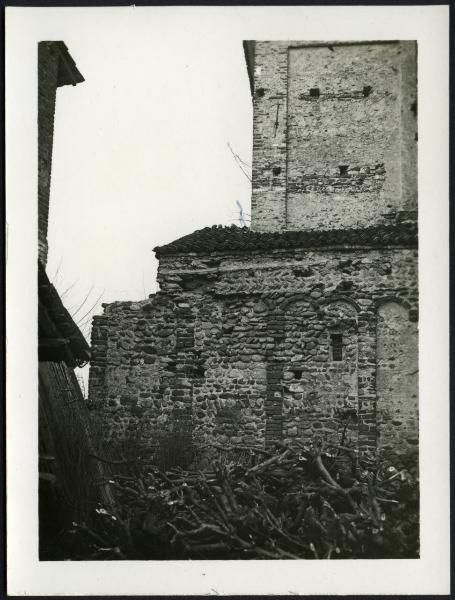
(297, 373)
(336, 340)
(367, 90)
(260, 92)
(314, 92)
(343, 170)
(276, 171)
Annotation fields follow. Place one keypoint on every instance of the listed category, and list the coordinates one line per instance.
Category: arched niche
(320, 370)
(339, 340)
(397, 380)
(300, 316)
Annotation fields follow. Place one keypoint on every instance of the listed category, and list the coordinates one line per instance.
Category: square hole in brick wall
(314, 92)
(343, 170)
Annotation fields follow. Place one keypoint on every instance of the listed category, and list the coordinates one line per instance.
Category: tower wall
(334, 135)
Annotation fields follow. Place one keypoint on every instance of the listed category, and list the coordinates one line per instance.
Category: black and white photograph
(232, 260)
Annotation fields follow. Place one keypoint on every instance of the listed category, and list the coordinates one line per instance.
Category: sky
(141, 153)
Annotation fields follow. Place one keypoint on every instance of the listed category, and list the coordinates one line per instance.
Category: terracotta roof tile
(235, 239)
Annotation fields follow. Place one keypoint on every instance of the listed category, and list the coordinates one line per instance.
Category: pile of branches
(295, 503)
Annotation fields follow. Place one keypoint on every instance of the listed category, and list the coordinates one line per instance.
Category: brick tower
(334, 134)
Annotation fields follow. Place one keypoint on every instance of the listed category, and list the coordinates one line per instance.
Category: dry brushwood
(288, 506)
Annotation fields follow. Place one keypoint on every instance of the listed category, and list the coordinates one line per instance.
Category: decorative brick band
(274, 403)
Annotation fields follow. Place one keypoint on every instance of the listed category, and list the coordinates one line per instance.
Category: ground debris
(292, 504)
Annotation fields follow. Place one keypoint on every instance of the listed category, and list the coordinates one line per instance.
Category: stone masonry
(303, 327)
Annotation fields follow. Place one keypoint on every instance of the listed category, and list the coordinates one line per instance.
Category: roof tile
(235, 239)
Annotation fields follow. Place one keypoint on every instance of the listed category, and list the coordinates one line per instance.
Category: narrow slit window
(336, 340)
(314, 92)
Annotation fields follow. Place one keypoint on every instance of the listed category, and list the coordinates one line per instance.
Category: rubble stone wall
(245, 349)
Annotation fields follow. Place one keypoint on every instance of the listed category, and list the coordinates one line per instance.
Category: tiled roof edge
(62, 319)
(233, 238)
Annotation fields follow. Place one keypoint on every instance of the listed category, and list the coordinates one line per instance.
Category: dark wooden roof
(238, 239)
(59, 338)
(68, 73)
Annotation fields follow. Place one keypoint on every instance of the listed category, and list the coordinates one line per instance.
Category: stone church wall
(245, 349)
